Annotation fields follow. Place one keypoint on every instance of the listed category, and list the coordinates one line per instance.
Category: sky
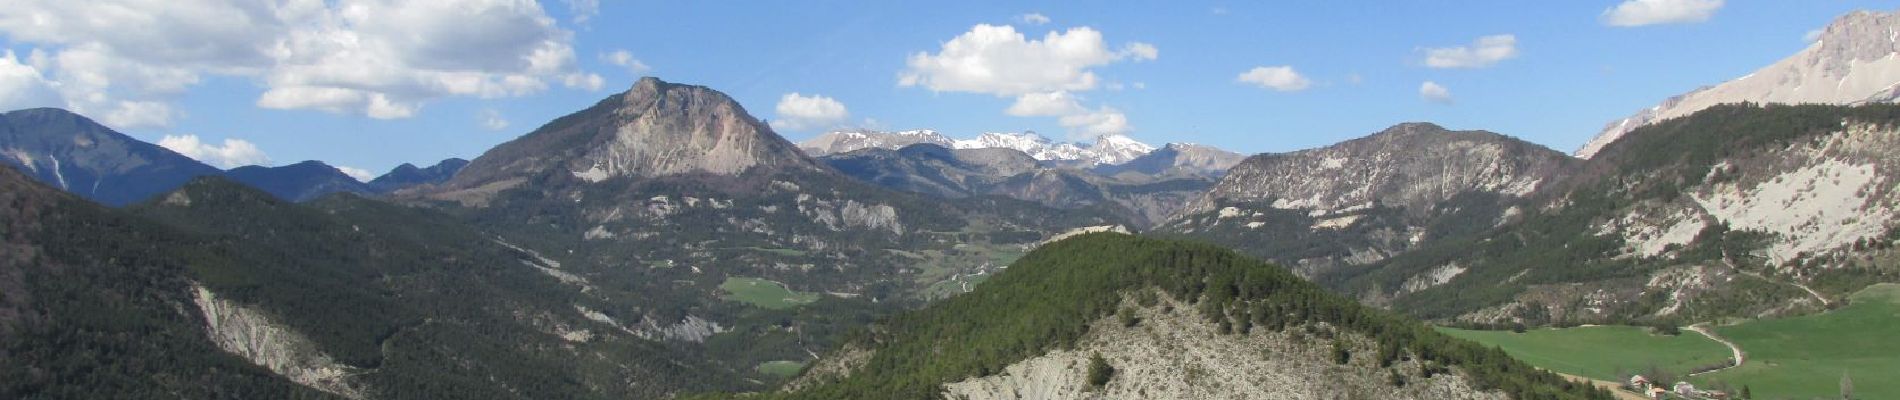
(370, 84)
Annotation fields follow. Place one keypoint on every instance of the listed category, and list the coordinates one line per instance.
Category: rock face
(1412, 165)
(654, 129)
(1853, 61)
(73, 153)
(1366, 199)
(1175, 354)
(250, 333)
(408, 175)
(1178, 159)
(298, 182)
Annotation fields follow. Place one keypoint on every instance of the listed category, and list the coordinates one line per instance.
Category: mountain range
(1106, 149)
(665, 243)
(76, 154)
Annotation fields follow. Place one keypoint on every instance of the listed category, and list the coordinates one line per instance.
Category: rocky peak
(654, 129)
(1855, 60)
(1410, 164)
(1858, 36)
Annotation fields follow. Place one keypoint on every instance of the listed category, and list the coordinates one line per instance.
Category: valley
(1794, 357)
(652, 239)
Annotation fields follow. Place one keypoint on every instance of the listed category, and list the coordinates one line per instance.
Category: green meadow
(1602, 352)
(1804, 357)
(1788, 358)
(764, 293)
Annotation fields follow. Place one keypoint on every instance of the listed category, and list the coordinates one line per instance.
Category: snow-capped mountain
(1108, 149)
(1856, 59)
(852, 140)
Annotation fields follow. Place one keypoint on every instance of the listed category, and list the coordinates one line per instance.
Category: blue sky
(1566, 71)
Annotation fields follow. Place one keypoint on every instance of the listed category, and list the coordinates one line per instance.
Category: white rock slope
(1855, 60)
(249, 332)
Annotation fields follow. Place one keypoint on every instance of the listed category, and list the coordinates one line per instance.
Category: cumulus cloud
(1033, 18)
(1081, 121)
(491, 119)
(379, 58)
(1281, 78)
(359, 174)
(1433, 92)
(583, 10)
(1042, 75)
(231, 153)
(999, 60)
(624, 59)
(23, 86)
(798, 112)
(1481, 53)
(1653, 12)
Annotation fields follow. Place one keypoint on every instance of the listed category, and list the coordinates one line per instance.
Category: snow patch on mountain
(1108, 149)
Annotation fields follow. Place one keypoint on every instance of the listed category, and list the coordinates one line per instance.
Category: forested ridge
(1047, 300)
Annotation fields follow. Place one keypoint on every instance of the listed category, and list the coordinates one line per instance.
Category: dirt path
(1817, 295)
(1614, 388)
(1737, 350)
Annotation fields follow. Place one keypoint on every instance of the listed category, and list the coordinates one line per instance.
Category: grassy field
(1602, 352)
(782, 369)
(764, 293)
(1804, 357)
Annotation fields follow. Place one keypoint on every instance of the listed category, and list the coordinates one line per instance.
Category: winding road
(1737, 350)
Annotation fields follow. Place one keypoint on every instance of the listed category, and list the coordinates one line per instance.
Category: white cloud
(1139, 51)
(1041, 75)
(588, 81)
(232, 153)
(359, 174)
(1433, 92)
(1281, 78)
(583, 10)
(1481, 53)
(798, 112)
(1101, 121)
(1812, 36)
(23, 86)
(1081, 121)
(380, 58)
(624, 59)
(1652, 12)
(1033, 18)
(491, 119)
(998, 60)
(138, 114)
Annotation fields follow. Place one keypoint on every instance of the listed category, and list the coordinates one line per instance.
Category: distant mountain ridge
(1107, 149)
(1142, 197)
(73, 153)
(408, 175)
(1856, 59)
(298, 182)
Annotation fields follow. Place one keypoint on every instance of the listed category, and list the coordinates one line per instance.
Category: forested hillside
(1047, 301)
